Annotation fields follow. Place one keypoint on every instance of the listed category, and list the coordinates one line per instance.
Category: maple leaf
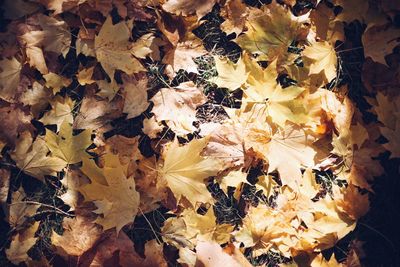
(21, 243)
(393, 137)
(181, 57)
(235, 13)
(107, 89)
(185, 8)
(95, 113)
(185, 170)
(14, 120)
(230, 75)
(379, 41)
(9, 77)
(56, 82)
(31, 157)
(135, 98)
(19, 211)
(225, 143)
(55, 36)
(326, 27)
(112, 191)
(113, 49)
(67, 147)
(352, 10)
(177, 106)
(61, 111)
(210, 254)
(84, 76)
(270, 32)
(324, 59)
(79, 236)
(4, 184)
(385, 107)
(264, 228)
(280, 103)
(345, 202)
(287, 151)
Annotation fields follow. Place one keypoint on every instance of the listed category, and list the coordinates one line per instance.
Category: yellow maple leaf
(31, 157)
(324, 59)
(287, 151)
(67, 147)
(113, 48)
(280, 103)
(270, 31)
(21, 243)
(56, 82)
(112, 192)
(61, 111)
(230, 75)
(185, 170)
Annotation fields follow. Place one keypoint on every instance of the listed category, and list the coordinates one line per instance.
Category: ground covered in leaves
(199, 133)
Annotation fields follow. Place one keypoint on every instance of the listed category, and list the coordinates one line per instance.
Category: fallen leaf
(270, 32)
(235, 13)
(210, 254)
(112, 191)
(66, 146)
(79, 236)
(185, 8)
(9, 77)
(379, 41)
(177, 106)
(113, 49)
(135, 98)
(19, 211)
(185, 170)
(230, 75)
(21, 243)
(31, 157)
(56, 82)
(324, 59)
(61, 111)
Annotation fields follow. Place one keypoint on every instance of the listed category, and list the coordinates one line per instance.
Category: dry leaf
(177, 106)
(113, 49)
(31, 157)
(324, 59)
(112, 191)
(21, 243)
(185, 8)
(185, 170)
(66, 146)
(9, 78)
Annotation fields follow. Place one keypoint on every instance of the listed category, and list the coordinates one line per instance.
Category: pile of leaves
(185, 132)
